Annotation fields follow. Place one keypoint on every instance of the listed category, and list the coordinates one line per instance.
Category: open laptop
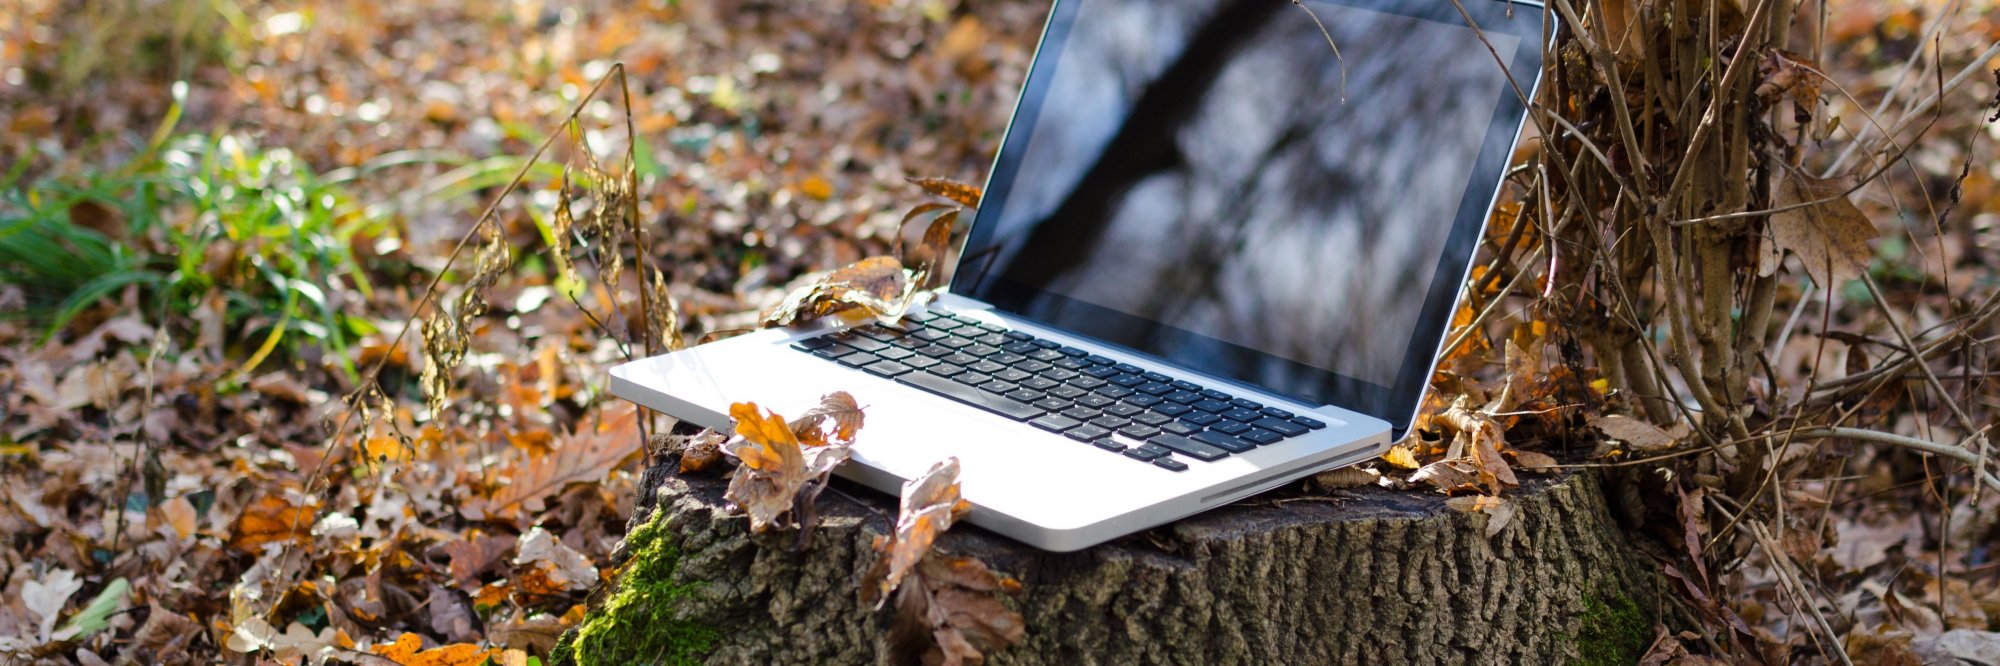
(1212, 258)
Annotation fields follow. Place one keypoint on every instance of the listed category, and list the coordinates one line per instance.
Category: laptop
(1212, 258)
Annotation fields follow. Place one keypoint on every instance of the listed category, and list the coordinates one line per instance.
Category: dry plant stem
(1977, 64)
(1910, 348)
(1802, 596)
(428, 299)
(1957, 453)
(1937, 23)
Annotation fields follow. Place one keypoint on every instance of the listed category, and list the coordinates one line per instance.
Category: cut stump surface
(1364, 576)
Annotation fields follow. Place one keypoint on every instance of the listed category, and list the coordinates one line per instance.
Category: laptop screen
(1205, 181)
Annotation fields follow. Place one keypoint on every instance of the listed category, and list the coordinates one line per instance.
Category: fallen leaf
(1534, 460)
(959, 193)
(565, 567)
(930, 505)
(1639, 435)
(469, 557)
(839, 406)
(46, 597)
(775, 468)
(1346, 477)
(1831, 238)
(1499, 511)
(585, 457)
(1449, 476)
(701, 450)
(407, 651)
(271, 519)
(1401, 456)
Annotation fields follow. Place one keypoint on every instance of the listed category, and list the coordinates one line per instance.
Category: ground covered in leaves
(220, 219)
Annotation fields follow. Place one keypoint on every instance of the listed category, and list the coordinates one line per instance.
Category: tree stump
(1366, 575)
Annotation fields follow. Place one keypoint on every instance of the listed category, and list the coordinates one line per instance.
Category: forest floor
(216, 220)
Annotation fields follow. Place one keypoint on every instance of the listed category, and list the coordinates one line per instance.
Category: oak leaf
(1400, 456)
(588, 456)
(1830, 238)
(1639, 435)
(1449, 476)
(776, 469)
(930, 505)
(408, 650)
(1499, 511)
(879, 286)
(838, 406)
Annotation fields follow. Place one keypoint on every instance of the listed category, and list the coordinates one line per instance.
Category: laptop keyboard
(1060, 389)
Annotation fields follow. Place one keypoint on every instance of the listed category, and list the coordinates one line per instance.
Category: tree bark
(1366, 575)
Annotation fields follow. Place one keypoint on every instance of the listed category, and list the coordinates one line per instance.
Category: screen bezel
(1396, 404)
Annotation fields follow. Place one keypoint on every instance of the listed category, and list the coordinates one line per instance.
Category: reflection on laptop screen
(1196, 187)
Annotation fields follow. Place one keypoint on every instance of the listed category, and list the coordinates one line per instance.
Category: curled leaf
(959, 193)
(930, 505)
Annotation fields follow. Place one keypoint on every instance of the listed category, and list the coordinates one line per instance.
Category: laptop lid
(1204, 181)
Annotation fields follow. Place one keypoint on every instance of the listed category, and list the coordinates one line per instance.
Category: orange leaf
(587, 457)
(270, 519)
(960, 193)
(405, 651)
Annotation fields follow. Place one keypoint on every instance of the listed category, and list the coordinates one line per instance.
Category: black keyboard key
(994, 339)
(1017, 336)
(855, 359)
(1047, 344)
(1073, 352)
(1230, 427)
(960, 359)
(1013, 409)
(1152, 418)
(1052, 403)
(1199, 418)
(1023, 347)
(1144, 400)
(1213, 394)
(1143, 453)
(1127, 380)
(1191, 448)
(957, 342)
(1222, 441)
(1108, 444)
(1186, 385)
(1087, 433)
(810, 344)
(920, 362)
(1072, 364)
(898, 354)
(1106, 391)
(1285, 428)
(1126, 410)
(1247, 404)
(943, 369)
(980, 350)
(886, 368)
(1082, 413)
(1068, 392)
(878, 333)
(930, 334)
(1207, 405)
(1007, 358)
(935, 351)
(1174, 409)
(1109, 422)
(1261, 436)
(1055, 423)
(831, 352)
(1039, 383)
(1011, 374)
(1100, 371)
(1059, 374)
(1046, 354)
(1184, 397)
(1139, 431)
(1095, 401)
(1179, 428)
(999, 386)
(1130, 369)
(1026, 395)
(1244, 415)
(1154, 388)
(987, 367)
(1101, 360)
(1276, 413)
(1170, 464)
(1157, 377)
(1308, 422)
(1026, 366)
(1092, 383)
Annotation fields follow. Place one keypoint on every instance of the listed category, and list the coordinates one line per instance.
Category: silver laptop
(1212, 258)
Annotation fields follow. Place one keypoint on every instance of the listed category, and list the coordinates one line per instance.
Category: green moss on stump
(1616, 631)
(641, 623)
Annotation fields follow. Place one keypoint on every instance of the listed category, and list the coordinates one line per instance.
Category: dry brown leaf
(270, 519)
(408, 651)
(1831, 238)
(838, 406)
(1346, 477)
(775, 467)
(1498, 510)
(586, 457)
(473, 555)
(1534, 460)
(877, 285)
(1639, 435)
(937, 242)
(930, 505)
(1401, 456)
(1450, 476)
(959, 193)
(701, 450)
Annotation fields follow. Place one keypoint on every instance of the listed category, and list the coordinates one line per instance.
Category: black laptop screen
(1203, 180)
